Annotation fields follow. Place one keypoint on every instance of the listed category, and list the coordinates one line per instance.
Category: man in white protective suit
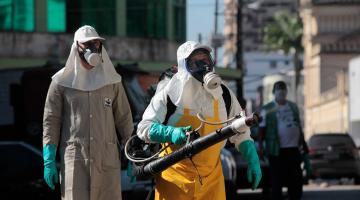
(195, 88)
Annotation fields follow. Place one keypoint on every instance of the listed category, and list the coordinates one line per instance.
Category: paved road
(313, 192)
(347, 192)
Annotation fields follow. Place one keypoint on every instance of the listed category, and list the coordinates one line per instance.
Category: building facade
(36, 34)
(257, 61)
(36, 37)
(255, 16)
(354, 99)
(136, 30)
(330, 40)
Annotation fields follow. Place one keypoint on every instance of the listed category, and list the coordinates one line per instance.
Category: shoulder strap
(170, 106)
(170, 109)
(227, 98)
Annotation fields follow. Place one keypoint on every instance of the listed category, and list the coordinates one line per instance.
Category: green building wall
(153, 19)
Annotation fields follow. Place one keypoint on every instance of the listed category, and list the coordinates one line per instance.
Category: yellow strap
(216, 110)
(186, 111)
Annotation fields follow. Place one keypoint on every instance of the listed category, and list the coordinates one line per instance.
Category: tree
(285, 34)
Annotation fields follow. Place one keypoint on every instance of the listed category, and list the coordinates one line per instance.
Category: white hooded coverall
(183, 180)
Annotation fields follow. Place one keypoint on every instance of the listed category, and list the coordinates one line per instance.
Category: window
(157, 18)
(17, 15)
(99, 14)
(151, 18)
(179, 20)
(56, 20)
(146, 18)
(136, 15)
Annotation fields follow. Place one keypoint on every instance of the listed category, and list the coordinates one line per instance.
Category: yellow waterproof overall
(182, 181)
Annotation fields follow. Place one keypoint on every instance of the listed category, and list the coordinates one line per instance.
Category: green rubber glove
(161, 133)
(50, 171)
(248, 151)
(307, 165)
(129, 172)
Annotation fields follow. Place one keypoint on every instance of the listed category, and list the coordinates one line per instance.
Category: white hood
(74, 75)
(183, 89)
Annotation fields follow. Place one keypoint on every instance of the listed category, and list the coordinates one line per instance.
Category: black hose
(154, 167)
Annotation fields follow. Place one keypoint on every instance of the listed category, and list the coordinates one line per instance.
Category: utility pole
(215, 28)
(239, 55)
(199, 38)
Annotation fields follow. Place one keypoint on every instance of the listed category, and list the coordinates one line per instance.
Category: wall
(44, 45)
(330, 40)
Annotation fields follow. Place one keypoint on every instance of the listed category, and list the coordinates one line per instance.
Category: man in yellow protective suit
(191, 91)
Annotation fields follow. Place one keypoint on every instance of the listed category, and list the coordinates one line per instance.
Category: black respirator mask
(90, 54)
(204, 73)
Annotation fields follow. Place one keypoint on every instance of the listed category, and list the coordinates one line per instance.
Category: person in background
(280, 130)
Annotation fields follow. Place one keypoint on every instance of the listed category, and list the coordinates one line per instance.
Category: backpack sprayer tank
(238, 126)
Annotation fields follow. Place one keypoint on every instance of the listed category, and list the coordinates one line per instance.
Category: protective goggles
(199, 60)
(94, 46)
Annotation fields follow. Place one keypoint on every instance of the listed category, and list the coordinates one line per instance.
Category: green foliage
(285, 33)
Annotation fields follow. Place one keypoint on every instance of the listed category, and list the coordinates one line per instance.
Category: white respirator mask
(91, 54)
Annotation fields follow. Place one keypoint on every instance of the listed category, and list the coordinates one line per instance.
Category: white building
(354, 99)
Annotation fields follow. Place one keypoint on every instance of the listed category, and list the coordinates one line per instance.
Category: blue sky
(200, 18)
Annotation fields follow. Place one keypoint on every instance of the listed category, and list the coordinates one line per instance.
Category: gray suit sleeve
(53, 115)
(122, 114)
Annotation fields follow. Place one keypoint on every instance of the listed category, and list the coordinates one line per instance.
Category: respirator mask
(91, 54)
(202, 69)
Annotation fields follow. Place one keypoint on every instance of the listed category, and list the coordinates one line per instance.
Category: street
(333, 193)
(326, 190)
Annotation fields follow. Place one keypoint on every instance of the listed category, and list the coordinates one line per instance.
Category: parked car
(21, 172)
(334, 156)
(241, 171)
(230, 173)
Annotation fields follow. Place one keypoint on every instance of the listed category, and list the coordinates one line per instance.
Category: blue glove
(161, 133)
(307, 165)
(248, 151)
(50, 171)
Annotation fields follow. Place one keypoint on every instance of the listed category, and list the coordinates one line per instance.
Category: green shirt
(271, 129)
